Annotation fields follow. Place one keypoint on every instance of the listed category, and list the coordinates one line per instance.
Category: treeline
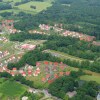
(6, 14)
(22, 2)
(4, 6)
(18, 78)
(24, 36)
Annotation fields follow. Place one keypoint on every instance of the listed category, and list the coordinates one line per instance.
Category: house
(23, 73)
(44, 27)
(12, 73)
(1, 69)
(24, 98)
(43, 79)
(68, 73)
(14, 69)
(97, 43)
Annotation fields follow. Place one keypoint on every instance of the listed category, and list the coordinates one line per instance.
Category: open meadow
(10, 90)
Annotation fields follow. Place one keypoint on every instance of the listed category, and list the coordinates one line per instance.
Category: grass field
(91, 78)
(39, 6)
(26, 7)
(11, 89)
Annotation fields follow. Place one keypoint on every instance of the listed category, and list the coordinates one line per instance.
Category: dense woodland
(85, 90)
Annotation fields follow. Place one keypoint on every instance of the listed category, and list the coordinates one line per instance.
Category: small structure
(24, 98)
(97, 43)
(71, 94)
(98, 96)
(28, 46)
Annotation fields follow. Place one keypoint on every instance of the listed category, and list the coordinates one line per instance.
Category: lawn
(12, 89)
(91, 78)
(26, 7)
(39, 6)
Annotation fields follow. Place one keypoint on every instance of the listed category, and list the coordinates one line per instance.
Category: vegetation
(85, 20)
(32, 96)
(68, 45)
(65, 84)
(4, 6)
(61, 86)
(12, 89)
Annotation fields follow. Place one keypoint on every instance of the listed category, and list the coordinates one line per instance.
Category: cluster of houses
(35, 31)
(50, 72)
(26, 71)
(79, 35)
(28, 47)
(58, 28)
(53, 71)
(11, 59)
(44, 27)
(9, 26)
(97, 43)
(3, 54)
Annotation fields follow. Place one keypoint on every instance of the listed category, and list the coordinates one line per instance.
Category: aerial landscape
(49, 50)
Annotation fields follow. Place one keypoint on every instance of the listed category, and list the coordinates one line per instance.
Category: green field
(26, 7)
(11, 89)
(91, 78)
(39, 6)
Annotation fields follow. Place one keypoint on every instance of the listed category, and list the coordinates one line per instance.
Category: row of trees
(22, 2)
(18, 78)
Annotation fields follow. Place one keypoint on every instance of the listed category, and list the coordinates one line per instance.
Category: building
(98, 96)
(97, 43)
(28, 47)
